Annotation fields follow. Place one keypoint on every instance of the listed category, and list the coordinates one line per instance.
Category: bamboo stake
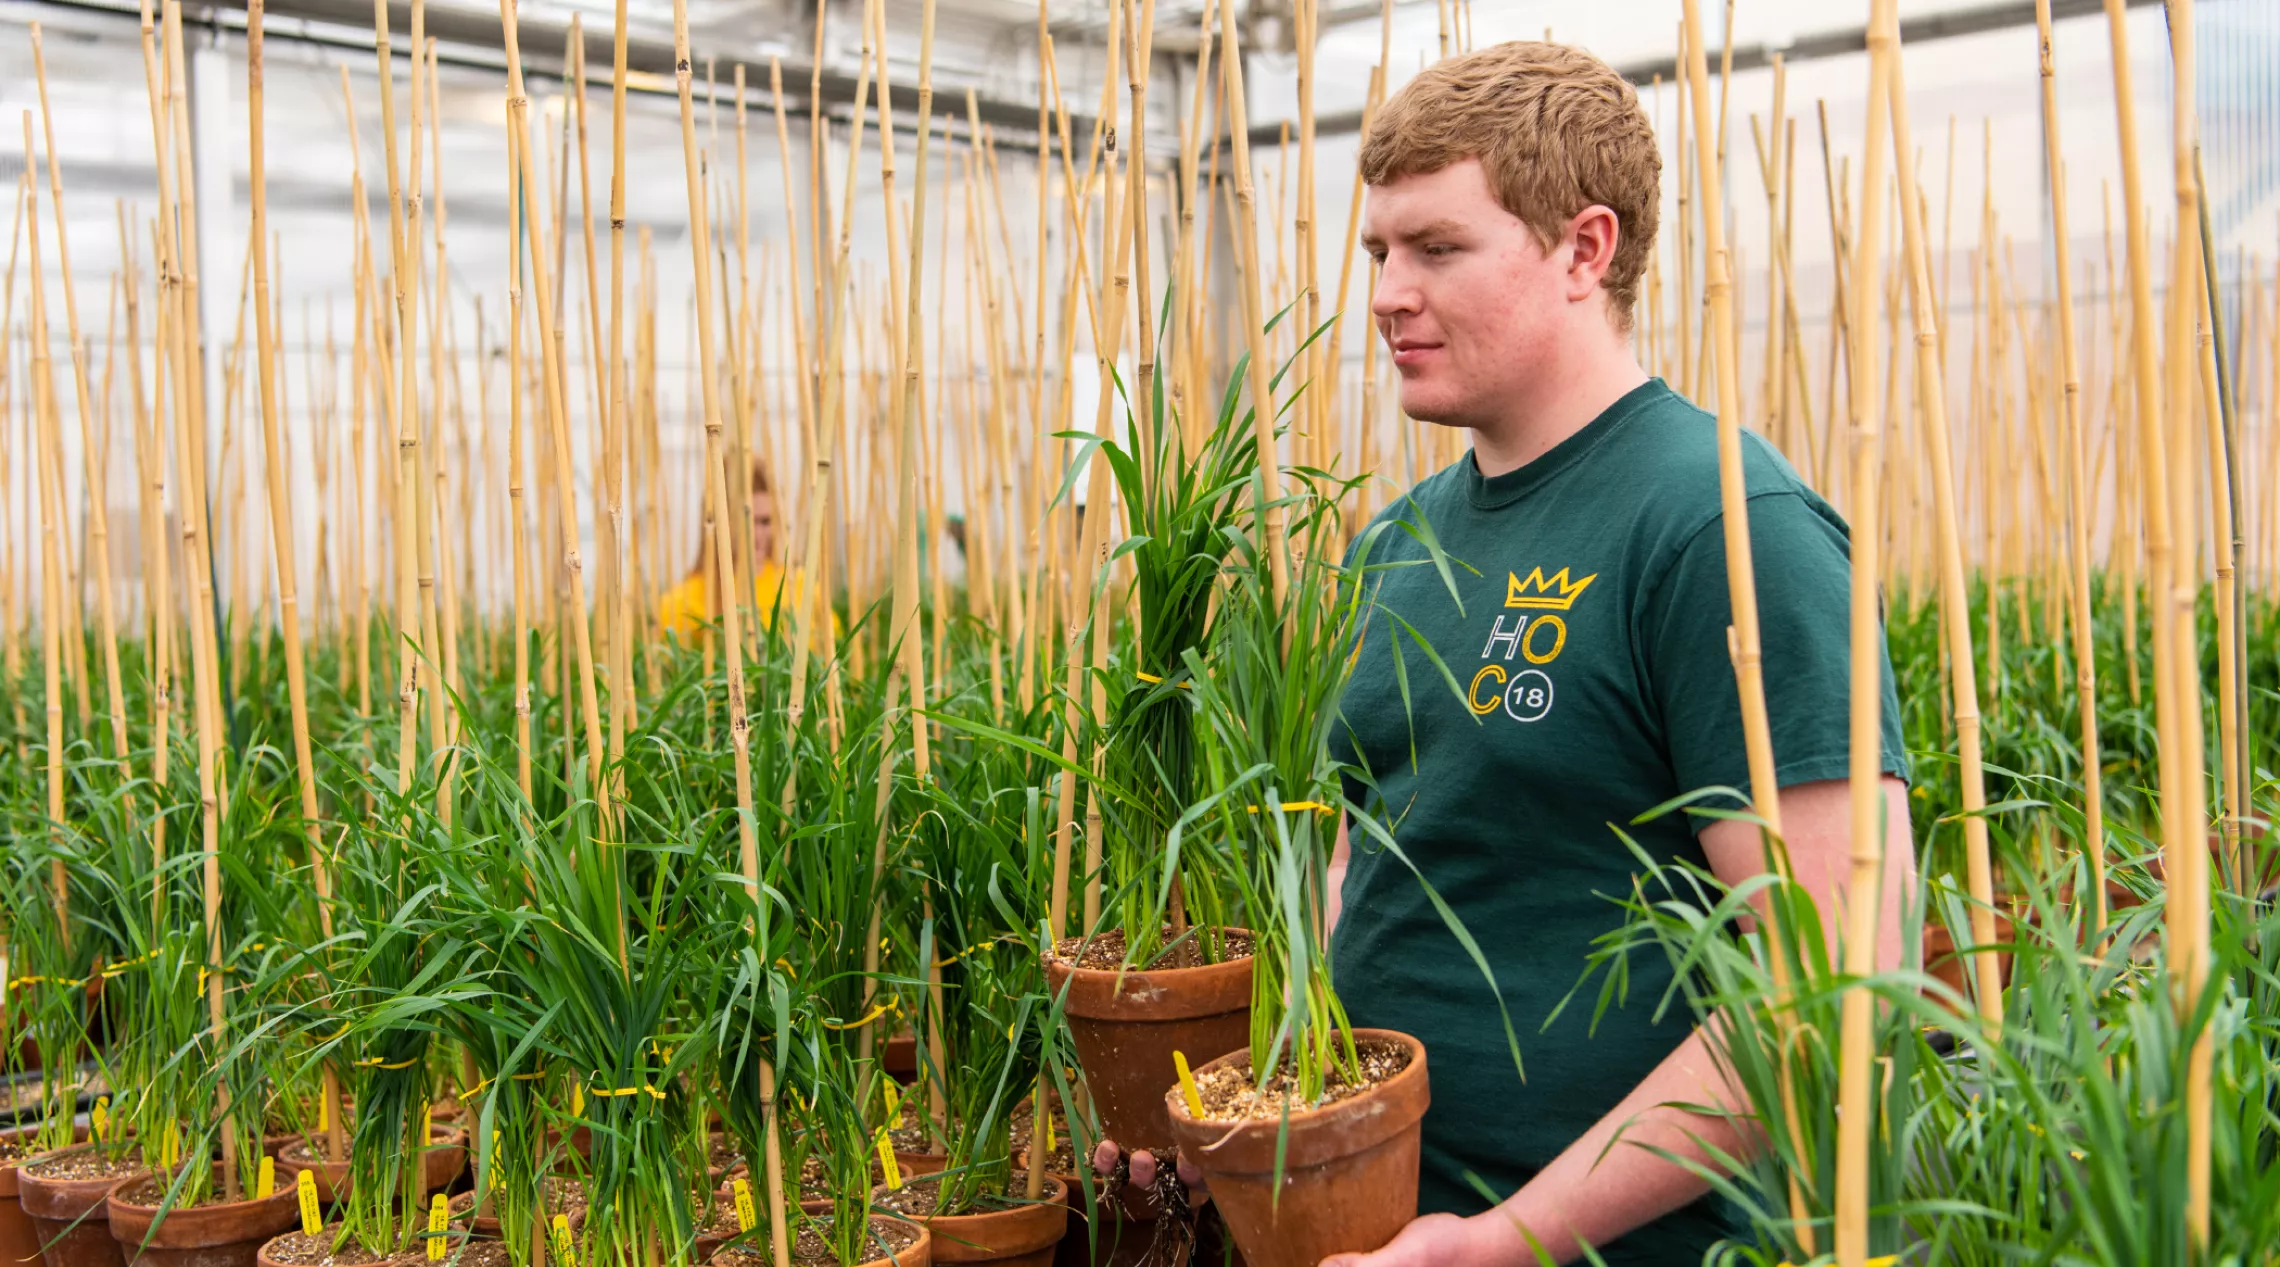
(1855, 1056)
(51, 562)
(1263, 413)
(518, 518)
(2155, 505)
(2185, 848)
(717, 497)
(2082, 506)
(559, 436)
(97, 457)
(1955, 593)
(2224, 493)
(281, 509)
(1741, 575)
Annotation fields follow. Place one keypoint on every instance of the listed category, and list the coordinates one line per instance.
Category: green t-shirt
(1591, 648)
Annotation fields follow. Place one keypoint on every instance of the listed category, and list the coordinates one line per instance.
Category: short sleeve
(1802, 559)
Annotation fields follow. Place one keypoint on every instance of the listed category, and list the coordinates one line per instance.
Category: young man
(1512, 205)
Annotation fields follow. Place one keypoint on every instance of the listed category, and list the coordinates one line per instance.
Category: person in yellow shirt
(685, 608)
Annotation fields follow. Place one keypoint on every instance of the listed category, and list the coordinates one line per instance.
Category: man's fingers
(1144, 1168)
(1105, 1156)
(1190, 1174)
(1342, 1260)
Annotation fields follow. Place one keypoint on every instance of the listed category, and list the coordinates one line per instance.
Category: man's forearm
(1593, 1194)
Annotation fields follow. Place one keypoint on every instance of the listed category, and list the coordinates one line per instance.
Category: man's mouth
(1411, 352)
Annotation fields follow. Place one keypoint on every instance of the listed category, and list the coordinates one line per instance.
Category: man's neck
(1563, 403)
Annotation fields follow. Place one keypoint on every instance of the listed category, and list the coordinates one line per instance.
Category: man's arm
(1593, 1194)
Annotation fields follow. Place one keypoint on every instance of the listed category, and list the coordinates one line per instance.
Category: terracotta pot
(581, 1143)
(203, 1236)
(442, 1162)
(1349, 1170)
(1127, 1024)
(915, 1165)
(920, 1253)
(898, 1059)
(1943, 963)
(18, 1244)
(262, 1258)
(68, 1214)
(1019, 1236)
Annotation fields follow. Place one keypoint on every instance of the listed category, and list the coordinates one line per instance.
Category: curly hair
(1556, 129)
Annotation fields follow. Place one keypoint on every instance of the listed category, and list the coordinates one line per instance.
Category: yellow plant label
(324, 1114)
(577, 1100)
(887, 1160)
(427, 1124)
(744, 1214)
(439, 1218)
(312, 1219)
(266, 1185)
(99, 1118)
(893, 1092)
(1187, 1085)
(1049, 1144)
(170, 1147)
(562, 1252)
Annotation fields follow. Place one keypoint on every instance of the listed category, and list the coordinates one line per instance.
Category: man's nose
(1395, 294)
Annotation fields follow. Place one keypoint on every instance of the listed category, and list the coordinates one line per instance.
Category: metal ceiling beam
(470, 37)
(1921, 30)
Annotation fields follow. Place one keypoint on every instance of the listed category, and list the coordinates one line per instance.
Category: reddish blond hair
(1555, 128)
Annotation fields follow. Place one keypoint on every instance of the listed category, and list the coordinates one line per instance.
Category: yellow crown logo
(1555, 593)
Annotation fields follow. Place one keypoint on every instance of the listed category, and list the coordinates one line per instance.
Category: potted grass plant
(43, 999)
(203, 1050)
(1166, 972)
(978, 1208)
(1309, 1130)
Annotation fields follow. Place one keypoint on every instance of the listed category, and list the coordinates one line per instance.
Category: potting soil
(1229, 1095)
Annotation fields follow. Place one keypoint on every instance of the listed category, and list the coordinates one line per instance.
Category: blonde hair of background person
(687, 607)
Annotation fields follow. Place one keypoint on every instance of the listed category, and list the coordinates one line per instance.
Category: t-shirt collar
(1490, 492)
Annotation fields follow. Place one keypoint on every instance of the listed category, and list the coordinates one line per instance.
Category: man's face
(763, 525)
(1466, 296)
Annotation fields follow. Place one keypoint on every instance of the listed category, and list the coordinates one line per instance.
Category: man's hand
(1436, 1240)
(1142, 1171)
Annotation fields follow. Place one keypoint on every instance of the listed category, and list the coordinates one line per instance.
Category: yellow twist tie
(1295, 807)
(612, 1092)
(374, 1062)
(1152, 680)
(875, 1013)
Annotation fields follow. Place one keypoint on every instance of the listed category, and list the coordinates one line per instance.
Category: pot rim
(1392, 1106)
(1150, 995)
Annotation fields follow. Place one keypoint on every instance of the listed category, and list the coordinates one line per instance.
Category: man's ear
(1592, 238)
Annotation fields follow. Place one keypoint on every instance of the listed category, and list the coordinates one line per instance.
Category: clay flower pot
(1022, 1236)
(443, 1161)
(1349, 1172)
(68, 1214)
(18, 1243)
(264, 1257)
(201, 1236)
(918, 1253)
(898, 1057)
(1127, 1024)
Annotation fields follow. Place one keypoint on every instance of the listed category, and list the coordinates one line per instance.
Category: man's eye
(1440, 248)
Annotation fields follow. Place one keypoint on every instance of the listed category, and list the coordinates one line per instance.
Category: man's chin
(1435, 410)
